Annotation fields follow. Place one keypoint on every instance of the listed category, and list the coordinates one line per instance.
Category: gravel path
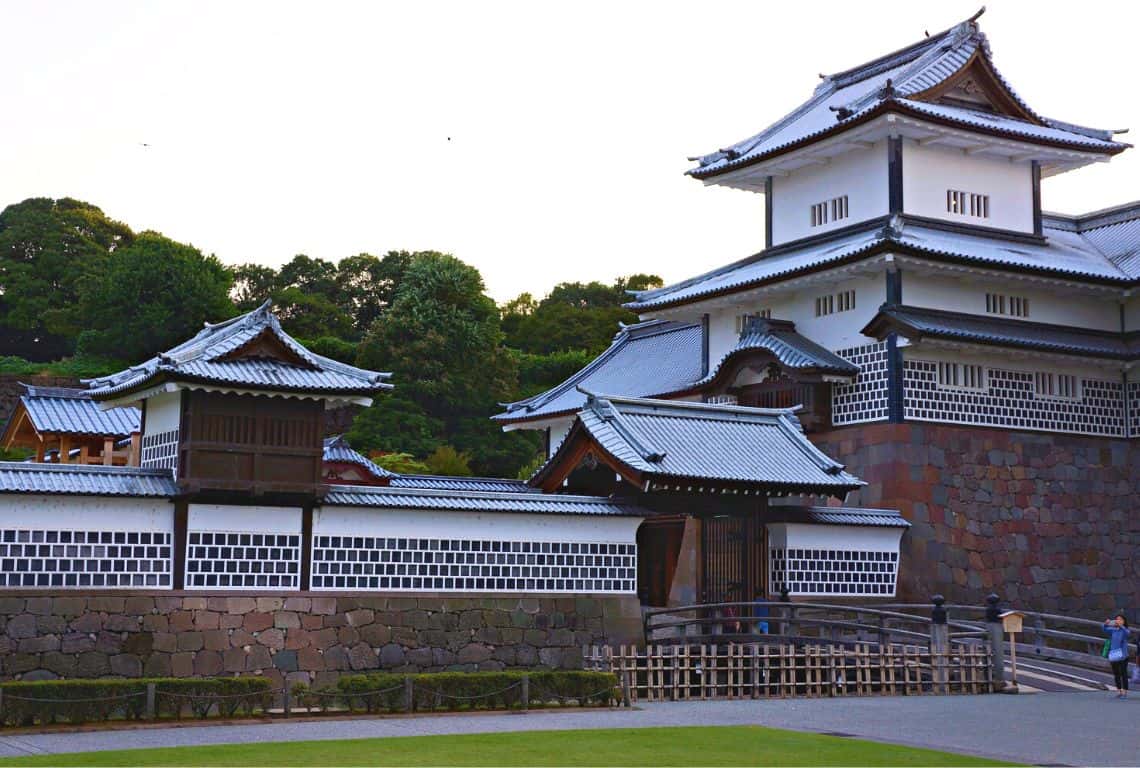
(1042, 729)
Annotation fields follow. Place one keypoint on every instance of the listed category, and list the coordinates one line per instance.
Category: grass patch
(722, 746)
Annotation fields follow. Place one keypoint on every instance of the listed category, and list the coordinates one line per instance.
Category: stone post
(287, 699)
(525, 693)
(939, 645)
(409, 699)
(997, 643)
(150, 703)
(625, 696)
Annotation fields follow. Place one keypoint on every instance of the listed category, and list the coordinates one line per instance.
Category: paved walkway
(1042, 729)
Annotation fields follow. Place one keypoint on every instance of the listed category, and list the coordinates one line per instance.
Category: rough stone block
(39, 606)
(106, 603)
(256, 622)
(362, 656)
(205, 620)
(301, 605)
(324, 606)
(216, 639)
(21, 626)
(139, 605)
(68, 607)
(126, 665)
(240, 605)
(139, 643)
(269, 604)
(122, 623)
(157, 665)
(76, 642)
(92, 664)
(191, 641)
(286, 620)
(274, 639)
(207, 663)
(38, 644)
(391, 655)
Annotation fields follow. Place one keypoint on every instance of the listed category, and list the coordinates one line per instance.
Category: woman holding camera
(1117, 630)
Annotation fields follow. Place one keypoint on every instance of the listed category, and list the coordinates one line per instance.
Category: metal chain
(217, 696)
(470, 698)
(120, 697)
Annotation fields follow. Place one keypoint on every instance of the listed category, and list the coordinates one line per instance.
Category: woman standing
(1117, 630)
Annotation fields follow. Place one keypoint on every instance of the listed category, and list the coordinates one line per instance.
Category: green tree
(313, 276)
(310, 315)
(366, 285)
(47, 249)
(442, 341)
(153, 294)
(445, 460)
(395, 423)
(400, 463)
(574, 316)
(253, 284)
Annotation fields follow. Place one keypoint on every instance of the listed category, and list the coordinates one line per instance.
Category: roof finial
(888, 91)
(977, 15)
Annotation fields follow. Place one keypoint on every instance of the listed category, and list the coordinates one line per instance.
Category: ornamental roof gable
(251, 352)
(948, 77)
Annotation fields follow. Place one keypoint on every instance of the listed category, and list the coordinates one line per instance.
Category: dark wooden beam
(178, 552)
(1035, 169)
(895, 394)
(767, 212)
(306, 546)
(895, 174)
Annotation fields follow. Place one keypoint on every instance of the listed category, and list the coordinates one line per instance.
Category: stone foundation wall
(300, 637)
(1050, 522)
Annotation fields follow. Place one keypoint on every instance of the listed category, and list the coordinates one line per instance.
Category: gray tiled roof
(201, 359)
(27, 477)
(695, 441)
(442, 483)
(792, 350)
(72, 411)
(337, 449)
(880, 518)
(849, 97)
(918, 322)
(471, 501)
(1063, 253)
(653, 358)
(1115, 232)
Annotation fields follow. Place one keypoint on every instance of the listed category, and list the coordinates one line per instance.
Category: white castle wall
(929, 171)
(861, 175)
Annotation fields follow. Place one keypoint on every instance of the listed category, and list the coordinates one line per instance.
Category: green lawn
(722, 746)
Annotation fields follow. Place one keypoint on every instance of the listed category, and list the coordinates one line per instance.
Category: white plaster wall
(847, 537)
(507, 526)
(1132, 314)
(163, 412)
(227, 517)
(839, 330)
(861, 175)
(929, 171)
(55, 512)
(969, 296)
(558, 432)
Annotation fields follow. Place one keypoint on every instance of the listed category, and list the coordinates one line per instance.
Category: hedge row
(83, 701)
(380, 692)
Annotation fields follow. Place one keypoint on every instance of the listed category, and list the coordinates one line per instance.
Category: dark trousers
(1120, 672)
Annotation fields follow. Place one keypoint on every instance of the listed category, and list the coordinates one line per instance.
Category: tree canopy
(74, 281)
(151, 295)
(582, 316)
(47, 249)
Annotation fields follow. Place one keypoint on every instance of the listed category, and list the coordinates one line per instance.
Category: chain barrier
(442, 695)
(119, 697)
(217, 696)
(544, 695)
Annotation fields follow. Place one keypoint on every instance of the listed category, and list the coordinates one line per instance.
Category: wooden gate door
(733, 559)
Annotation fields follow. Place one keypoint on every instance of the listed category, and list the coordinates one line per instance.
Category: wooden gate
(732, 566)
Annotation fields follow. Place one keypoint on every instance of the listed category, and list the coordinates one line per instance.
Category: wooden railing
(763, 670)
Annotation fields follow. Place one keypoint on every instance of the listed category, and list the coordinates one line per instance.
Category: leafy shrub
(83, 701)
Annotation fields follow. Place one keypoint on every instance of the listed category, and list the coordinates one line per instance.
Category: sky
(539, 142)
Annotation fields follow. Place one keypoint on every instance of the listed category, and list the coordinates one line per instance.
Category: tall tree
(253, 284)
(152, 294)
(442, 341)
(47, 249)
(574, 316)
(367, 285)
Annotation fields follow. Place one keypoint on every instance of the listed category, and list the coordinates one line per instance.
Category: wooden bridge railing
(679, 671)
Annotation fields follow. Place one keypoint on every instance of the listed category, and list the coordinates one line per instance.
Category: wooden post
(939, 645)
(64, 449)
(997, 644)
(151, 710)
(287, 699)
(625, 697)
(108, 451)
(134, 459)
(84, 454)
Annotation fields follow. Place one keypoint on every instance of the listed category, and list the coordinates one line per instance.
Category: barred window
(961, 375)
(967, 204)
(829, 211)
